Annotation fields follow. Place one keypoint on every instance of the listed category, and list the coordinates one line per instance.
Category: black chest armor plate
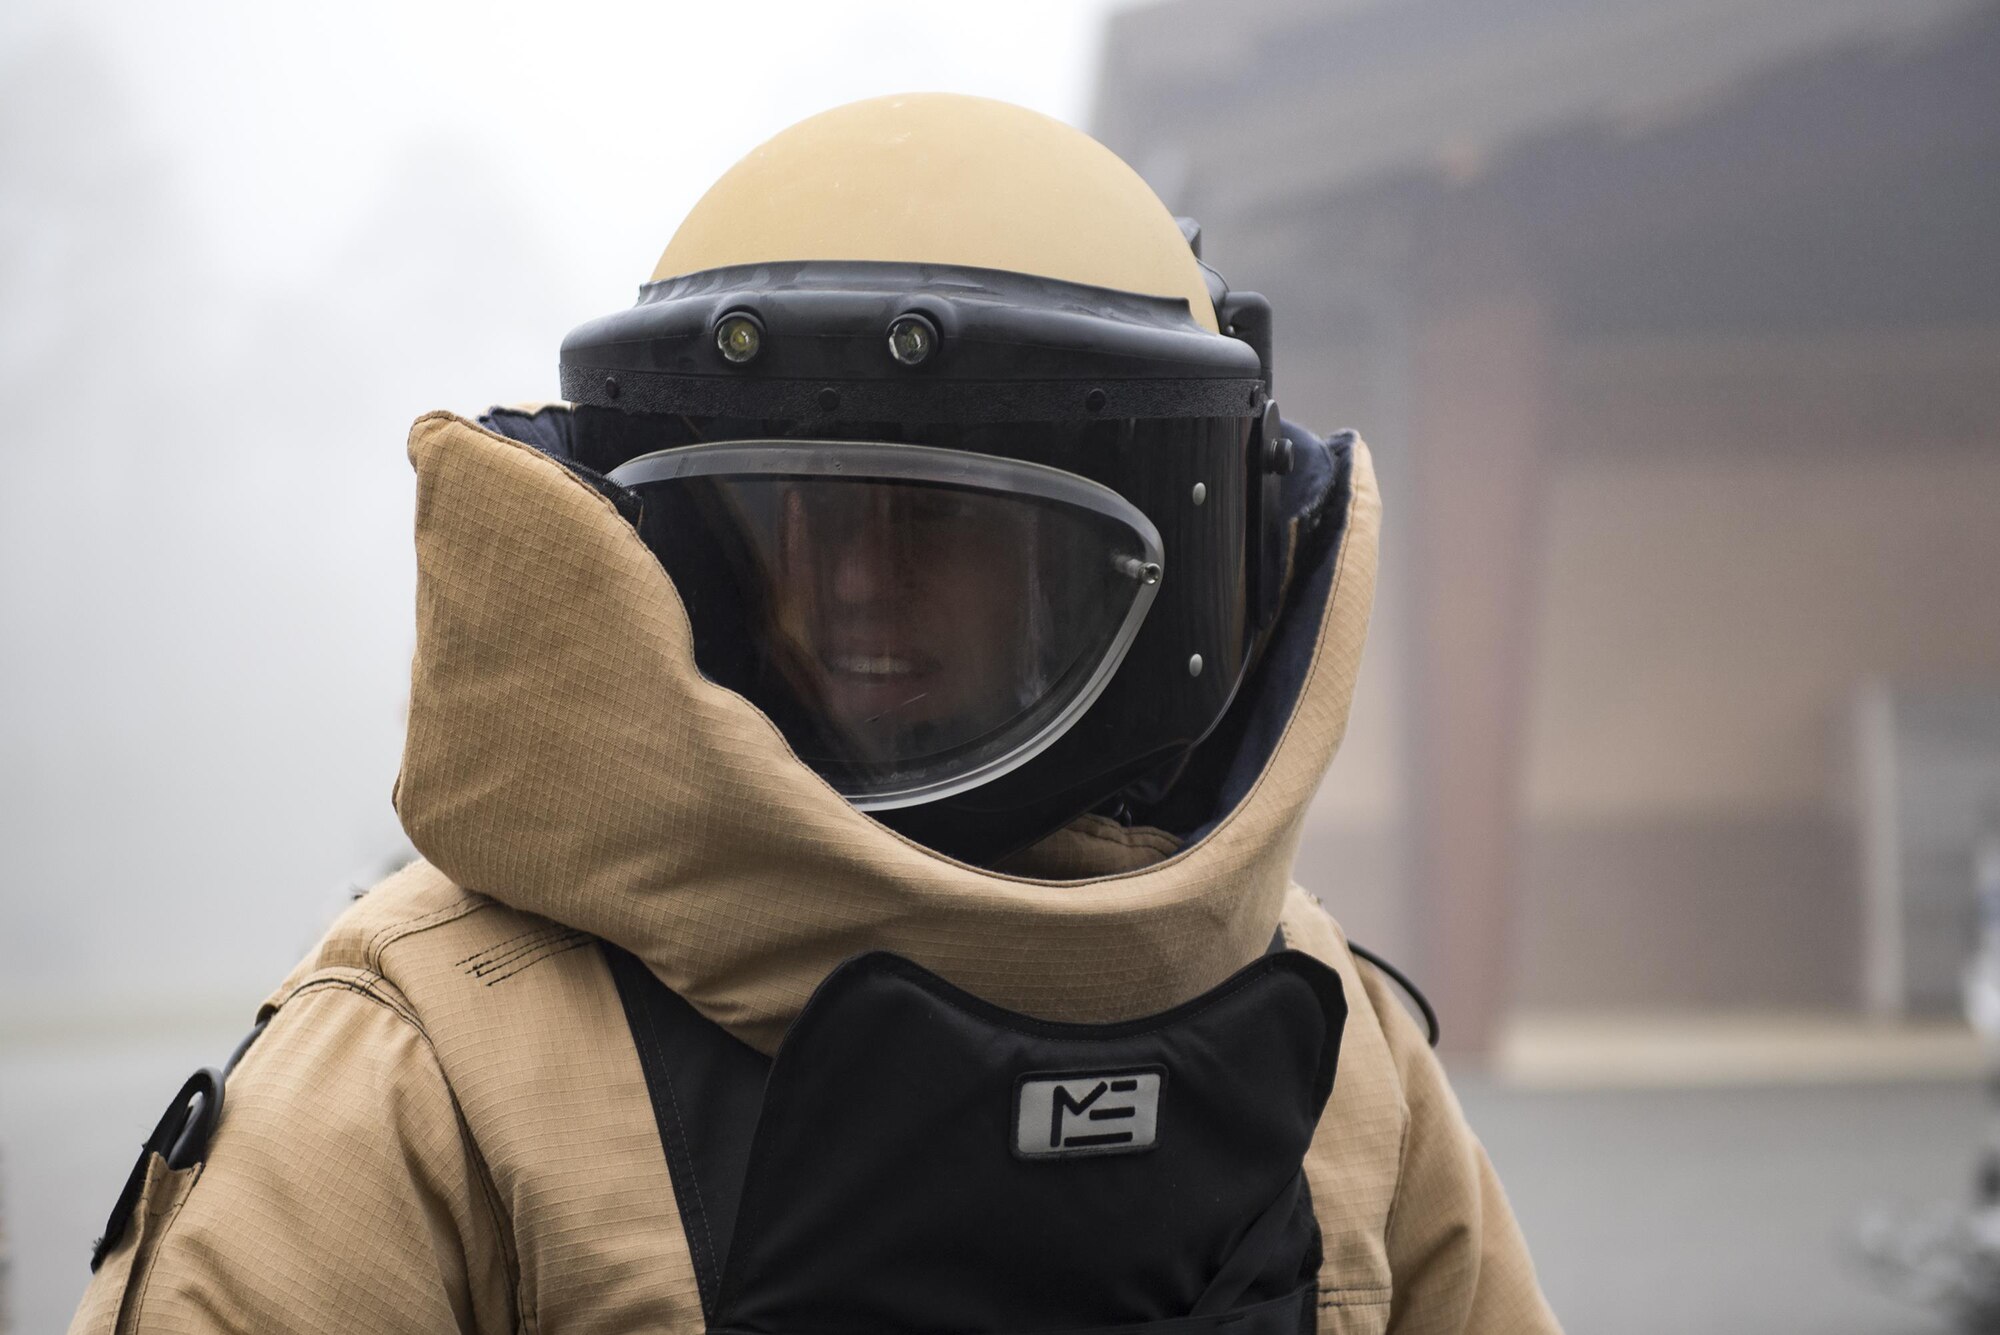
(918, 1160)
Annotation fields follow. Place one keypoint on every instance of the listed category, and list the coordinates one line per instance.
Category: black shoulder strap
(188, 1120)
(1431, 1028)
(180, 1138)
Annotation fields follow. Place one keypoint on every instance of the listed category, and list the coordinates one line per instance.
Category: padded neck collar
(566, 758)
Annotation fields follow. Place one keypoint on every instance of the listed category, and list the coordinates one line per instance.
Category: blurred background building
(1674, 324)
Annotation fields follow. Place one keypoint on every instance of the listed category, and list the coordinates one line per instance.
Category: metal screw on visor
(739, 337)
(912, 339)
(1146, 572)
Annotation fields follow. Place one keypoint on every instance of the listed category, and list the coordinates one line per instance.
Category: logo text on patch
(1095, 1112)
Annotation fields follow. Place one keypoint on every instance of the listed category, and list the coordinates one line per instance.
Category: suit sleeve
(339, 1194)
(1456, 1255)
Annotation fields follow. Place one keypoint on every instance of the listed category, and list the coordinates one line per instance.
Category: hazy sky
(607, 120)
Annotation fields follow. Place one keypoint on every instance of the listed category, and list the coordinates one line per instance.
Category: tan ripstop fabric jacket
(445, 1125)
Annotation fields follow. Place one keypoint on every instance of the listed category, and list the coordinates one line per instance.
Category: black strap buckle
(181, 1138)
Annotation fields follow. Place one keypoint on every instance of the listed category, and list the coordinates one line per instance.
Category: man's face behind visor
(916, 620)
(907, 604)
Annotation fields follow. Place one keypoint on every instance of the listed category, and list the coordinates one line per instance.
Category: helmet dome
(941, 178)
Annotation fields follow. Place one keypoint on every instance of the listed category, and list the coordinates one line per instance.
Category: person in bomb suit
(857, 747)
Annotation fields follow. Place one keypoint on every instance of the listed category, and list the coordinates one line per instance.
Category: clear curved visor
(916, 620)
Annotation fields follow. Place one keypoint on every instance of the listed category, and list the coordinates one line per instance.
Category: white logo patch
(1099, 1112)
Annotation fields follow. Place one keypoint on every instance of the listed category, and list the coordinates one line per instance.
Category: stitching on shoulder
(549, 951)
(391, 933)
(496, 958)
(506, 941)
(368, 984)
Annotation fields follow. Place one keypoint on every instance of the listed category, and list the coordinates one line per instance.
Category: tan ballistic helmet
(940, 178)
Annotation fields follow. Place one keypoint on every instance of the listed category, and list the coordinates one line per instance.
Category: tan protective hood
(566, 758)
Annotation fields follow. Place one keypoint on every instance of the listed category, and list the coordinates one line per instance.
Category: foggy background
(1675, 327)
